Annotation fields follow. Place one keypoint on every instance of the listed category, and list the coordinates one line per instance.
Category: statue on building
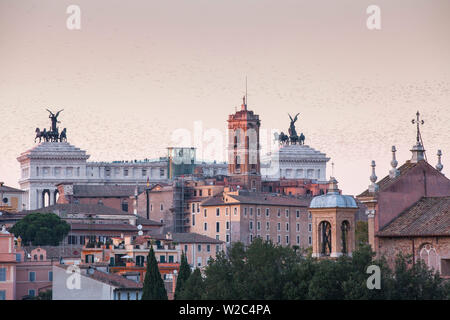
(53, 134)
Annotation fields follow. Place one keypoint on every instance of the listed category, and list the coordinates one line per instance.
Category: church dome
(333, 199)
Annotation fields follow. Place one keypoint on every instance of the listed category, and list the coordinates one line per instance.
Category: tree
(41, 229)
(44, 295)
(183, 275)
(361, 233)
(153, 283)
(194, 287)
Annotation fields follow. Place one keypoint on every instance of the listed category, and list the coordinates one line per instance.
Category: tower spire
(418, 151)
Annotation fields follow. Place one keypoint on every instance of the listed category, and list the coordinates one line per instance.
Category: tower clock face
(5, 200)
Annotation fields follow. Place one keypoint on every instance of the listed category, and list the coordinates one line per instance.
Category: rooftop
(430, 216)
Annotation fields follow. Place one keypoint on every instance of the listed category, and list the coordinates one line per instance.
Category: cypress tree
(183, 275)
(153, 283)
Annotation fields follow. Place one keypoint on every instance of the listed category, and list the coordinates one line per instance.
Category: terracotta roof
(190, 237)
(56, 252)
(259, 199)
(76, 208)
(430, 216)
(103, 226)
(4, 188)
(105, 191)
(147, 222)
(115, 280)
(387, 181)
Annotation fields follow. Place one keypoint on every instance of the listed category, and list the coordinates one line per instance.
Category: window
(199, 248)
(297, 213)
(208, 248)
(267, 237)
(235, 211)
(228, 225)
(41, 257)
(226, 211)
(31, 276)
(161, 207)
(199, 261)
(144, 172)
(2, 295)
(267, 212)
(209, 192)
(251, 212)
(251, 238)
(228, 238)
(18, 257)
(193, 208)
(251, 225)
(278, 226)
(287, 239)
(2, 274)
(267, 226)
(217, 248)
(309, 215)
(170, 259)
(205, 226)
(287, 226)
(50, 276)
(245, 212)
(298, 227)
(217, 237)
(258, 225)
(279, 213)
(287, 213)
(185, 248)
(162, 259)
(309, 240)
(151, 207)
(279, 239)
(82, 240)
(31, 292)
(217, 226)
(310, 227)
(217, 212)
(198, 206)
(193, 219)
(35, 257)
(298, 239)
(70, 240)
(258, 211)
(161, 172)
(205, 212)
(125, 172)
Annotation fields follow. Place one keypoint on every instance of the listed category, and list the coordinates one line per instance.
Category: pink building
(7, 266)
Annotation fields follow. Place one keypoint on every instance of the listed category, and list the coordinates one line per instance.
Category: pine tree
(153, 283)
(183, 275)
(194, 287)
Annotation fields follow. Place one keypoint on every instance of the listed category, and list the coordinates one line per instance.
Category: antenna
(246, 97)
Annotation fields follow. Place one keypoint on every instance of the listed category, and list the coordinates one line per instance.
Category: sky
(140, 72)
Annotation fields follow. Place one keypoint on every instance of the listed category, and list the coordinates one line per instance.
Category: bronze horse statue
(63, 136)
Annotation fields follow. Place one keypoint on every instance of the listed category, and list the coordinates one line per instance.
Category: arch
(345, 227)
(324, 237)
(55, 196)
(429, 256)
(46, 197)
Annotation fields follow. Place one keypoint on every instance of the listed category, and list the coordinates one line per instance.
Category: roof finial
(373, 187)
(332, 169)
(394, 172)
(418, 151)
(439, 165)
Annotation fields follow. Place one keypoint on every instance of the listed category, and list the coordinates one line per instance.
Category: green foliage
(361, 233)
(41, 229)
(44, 295)
(266, 271)
(153, 283)
(194, 287)
(183, 275)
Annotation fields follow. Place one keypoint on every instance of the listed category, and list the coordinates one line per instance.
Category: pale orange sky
(139, 70)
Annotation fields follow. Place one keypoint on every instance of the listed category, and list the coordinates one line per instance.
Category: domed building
(333, 223)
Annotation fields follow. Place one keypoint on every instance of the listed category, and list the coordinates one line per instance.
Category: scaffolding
(181, 212)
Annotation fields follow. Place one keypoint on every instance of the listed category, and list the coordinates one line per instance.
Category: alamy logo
(74, 280)
(374, 20)
(374, 281)
(73, 22)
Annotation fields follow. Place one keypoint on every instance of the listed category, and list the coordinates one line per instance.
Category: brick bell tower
(243, 150)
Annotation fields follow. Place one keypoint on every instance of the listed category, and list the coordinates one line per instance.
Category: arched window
(35, 257)
(41, 257)
(125, 205)
(325, 238)
(429, 256)
(345, 227)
